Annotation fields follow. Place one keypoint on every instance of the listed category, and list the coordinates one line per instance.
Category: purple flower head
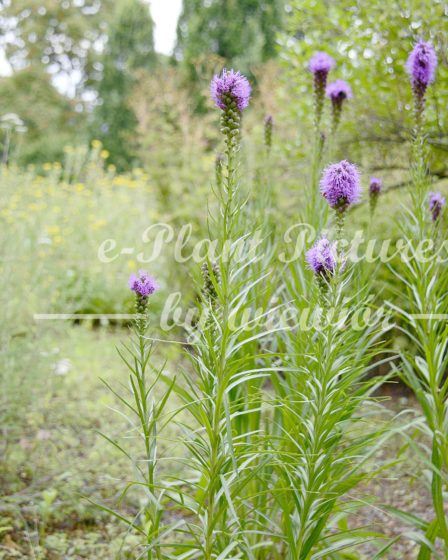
(233, 84)
(321, 258)
(143, 284)
(339, 91)
(340, 185)
(375, 186)
(321, 63)
(421, 65)
(436, 203)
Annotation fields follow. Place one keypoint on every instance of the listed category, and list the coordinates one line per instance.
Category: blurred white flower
(62, 367)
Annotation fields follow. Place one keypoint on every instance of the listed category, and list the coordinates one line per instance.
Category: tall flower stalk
(231, 93)
(338, 92)
(324, 447)
(320, 66)
(375, 188)
(221, 399)
(145, 406)
(421, 66)
(424, 281)
(143, 286)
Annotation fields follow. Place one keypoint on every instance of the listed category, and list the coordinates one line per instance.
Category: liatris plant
(421, 66)
(338, 92)
(223, 395)
(268, 466)
(375, 188)
(324, 446)
(424, 283)
(231, 93)
(145, 407)
(320, 65)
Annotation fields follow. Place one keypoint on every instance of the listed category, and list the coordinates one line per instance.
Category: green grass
(54, 454)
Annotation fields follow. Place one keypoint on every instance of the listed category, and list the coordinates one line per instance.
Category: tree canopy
(129, 48)
(63, 36)
(242, 32)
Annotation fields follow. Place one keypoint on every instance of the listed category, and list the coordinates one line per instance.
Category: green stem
(213, 479)
(146, 421)
(315, 211)
(230, 128)
(424, 279)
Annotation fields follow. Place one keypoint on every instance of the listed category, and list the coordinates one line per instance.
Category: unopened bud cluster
(212, 276)
(268, 125)
(230, 119)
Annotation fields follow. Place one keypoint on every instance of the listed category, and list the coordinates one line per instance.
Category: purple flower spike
(375, 186)
(339, 91)
(421, 66)
(321, 63)
(232, 84)
(436, 203)
(321, 258)
(340, 185)
(143, 284)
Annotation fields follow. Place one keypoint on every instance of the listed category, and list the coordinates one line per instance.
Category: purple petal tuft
(339, 90)
(143, 284)
(321, 62)
(340, 185)
(421, 64)
(231, 83)
(321, 258)
(436, 204)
